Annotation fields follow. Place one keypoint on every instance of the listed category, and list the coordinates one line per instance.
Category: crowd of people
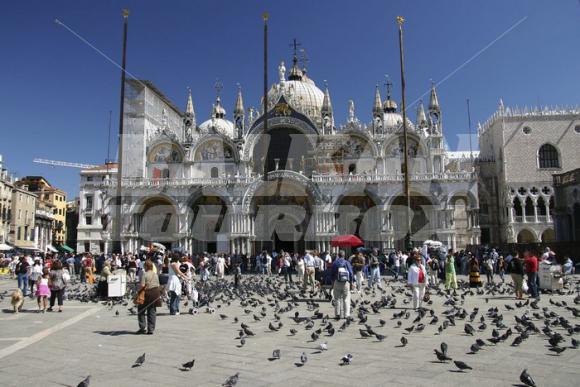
(171, 276)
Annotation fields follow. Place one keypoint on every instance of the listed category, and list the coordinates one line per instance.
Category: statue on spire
(351, 117)
(282, 72)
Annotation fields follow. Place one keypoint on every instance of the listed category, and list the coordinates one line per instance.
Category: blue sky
(57, 92)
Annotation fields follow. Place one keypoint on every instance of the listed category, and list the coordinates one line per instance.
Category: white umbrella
(158, 246)
(5, 247)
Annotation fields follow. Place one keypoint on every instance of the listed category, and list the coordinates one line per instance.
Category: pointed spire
(239, 110)
(421, 117)
(377, 107)
(189, 117)
(326, 104)
(434, 101)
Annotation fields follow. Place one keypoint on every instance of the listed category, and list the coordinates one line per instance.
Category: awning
(65, 249)
(5, 247)
(51, 248)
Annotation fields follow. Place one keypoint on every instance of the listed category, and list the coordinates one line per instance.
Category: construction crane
(56, 163)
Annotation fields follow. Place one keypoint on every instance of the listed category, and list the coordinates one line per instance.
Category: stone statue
(510, 233)
(251, 117)
(350, 110)
(282, 72)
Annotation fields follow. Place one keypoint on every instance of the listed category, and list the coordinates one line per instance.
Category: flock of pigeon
(260, 300)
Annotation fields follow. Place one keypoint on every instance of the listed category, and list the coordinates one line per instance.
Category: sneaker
(150, 332)
(177, 313)
(140, 332)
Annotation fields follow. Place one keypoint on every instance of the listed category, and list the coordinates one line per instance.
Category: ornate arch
(311, 188)
(375, 152)
(229, 150)
(165, 151)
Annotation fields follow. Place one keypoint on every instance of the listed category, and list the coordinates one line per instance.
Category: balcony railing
(355, 178)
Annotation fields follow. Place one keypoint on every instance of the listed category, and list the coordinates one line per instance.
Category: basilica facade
(287, 178)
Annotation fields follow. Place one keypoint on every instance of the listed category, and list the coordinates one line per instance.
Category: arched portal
(548, 236)
(283, 148)
(526, 236)
(281, 210)
(420, 213)
(209, 224)
(157, 222)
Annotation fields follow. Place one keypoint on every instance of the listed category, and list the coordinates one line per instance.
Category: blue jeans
(375, 277)
(173, 303)
(396, 269)
(533, 284)
(23, 283)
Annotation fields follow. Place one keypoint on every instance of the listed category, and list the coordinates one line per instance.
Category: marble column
(535, 211)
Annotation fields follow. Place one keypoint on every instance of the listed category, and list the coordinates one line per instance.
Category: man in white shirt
(268, 264)
(309, 272)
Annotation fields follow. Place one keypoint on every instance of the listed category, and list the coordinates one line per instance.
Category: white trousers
(341, 294)
(418, 294)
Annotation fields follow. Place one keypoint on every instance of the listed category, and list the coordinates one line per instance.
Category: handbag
(140, 297)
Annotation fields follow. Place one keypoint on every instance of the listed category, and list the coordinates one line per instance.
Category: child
(42, 290)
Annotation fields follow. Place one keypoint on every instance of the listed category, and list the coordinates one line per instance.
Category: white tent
(5, 247)
(51, 248)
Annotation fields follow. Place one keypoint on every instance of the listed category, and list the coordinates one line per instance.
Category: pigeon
(188, 366)
(404, 341)
(293, 331)
(276, 354)
(526, 379)
(139, 362)
(231, 381)
(86, 382)
(382, 322)
(443, 347)
(323, 346)
(469, 329)
(272, 327)
(380, 337)
(346, 359)
(242, 342)
(117, 313)
(223, 316)
(461, 365)
(364, 333)
(575, 343)
(474, 348)
(558, 350)
(410, 329)
(303, 358)
(442, 357)
(314, 336)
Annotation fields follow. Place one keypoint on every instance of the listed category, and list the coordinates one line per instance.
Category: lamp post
(400, 21)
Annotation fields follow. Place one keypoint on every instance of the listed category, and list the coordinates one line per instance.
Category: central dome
(300, 91)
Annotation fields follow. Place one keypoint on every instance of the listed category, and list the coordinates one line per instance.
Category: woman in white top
(35, 274)
(300, 268)
(417, 279)
(174, 285)
(220, 267)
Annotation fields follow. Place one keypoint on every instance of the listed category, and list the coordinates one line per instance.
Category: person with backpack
(375, 272)
(342, 277)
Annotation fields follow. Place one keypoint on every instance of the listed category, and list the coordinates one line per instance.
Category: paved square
(89, 339)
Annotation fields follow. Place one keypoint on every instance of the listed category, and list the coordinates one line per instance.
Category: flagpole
(265, 17)
(117, 245)
(400, 21)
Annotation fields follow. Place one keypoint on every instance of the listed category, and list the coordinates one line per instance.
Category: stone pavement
(60, 349)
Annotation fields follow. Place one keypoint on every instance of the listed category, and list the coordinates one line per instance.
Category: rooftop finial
(303, 60)
(388, 85)
(295, 72)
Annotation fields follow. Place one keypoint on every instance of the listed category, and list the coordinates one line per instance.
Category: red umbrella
(346, 241)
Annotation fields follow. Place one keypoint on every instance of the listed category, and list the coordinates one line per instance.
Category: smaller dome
(218, 125)
(390, 106)
(394, 120)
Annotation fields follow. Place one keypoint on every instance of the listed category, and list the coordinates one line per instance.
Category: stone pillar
(524, 212)
(548, 216)
(535, 210)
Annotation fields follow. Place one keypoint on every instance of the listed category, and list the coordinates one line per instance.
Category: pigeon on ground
(380, 337)
(242, 342)
(404, 341)
(443, 347)
(469, 329)
(346, 359)
(323, 346)
(441, 356)
(86, 382)
(188, 366)
(474, 348)
(139, 362)
(276, 354)
(293, 331)
(231, 381)
(461, 365)
(303, 358)
(526, 379)
(558, 350)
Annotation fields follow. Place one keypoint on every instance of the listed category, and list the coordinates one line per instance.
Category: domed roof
(394, 120)
(218, 125)
(300, 91)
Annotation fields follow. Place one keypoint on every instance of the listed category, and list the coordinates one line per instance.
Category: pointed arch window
(548, 157)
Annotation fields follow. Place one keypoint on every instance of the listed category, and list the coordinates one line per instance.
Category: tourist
(397, 265)
(287, 267)
(474, 278)
(450, 275)
(57, 285)
(516, 269)
(488, 266)
(147, 312)
(238, 275)
(70, 264)
(358, 262)
(174, 285)
(300, 267)
(309, 271)
(341, 276)
(433, 270)
(132, 273)
(220, 268)
(375, 272)
(42, 290)
(103, 286)
(501, 268)
(568, 267)
(35, 274)
(531, 268)
(21, 270)
(417, 280)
